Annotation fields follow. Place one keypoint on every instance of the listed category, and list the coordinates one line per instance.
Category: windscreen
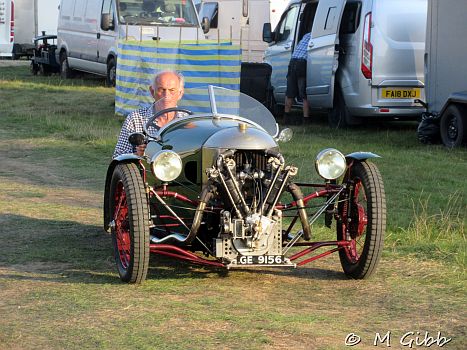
(235, 103)
(167, 12)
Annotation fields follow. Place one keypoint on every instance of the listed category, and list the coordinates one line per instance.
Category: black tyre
(453, 126)
(43, 70)
(34, 68)
(276, 110)
(65, 71)
(362, 212)
(130, 223)
(111, 72)
(16, 53)
(339, 116)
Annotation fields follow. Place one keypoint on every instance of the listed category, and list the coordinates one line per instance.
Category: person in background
(166, 89)
(296, 82)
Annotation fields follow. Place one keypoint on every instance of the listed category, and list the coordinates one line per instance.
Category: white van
(88, 30)
(21, 21)
(242, 21)
(7, 28)
(365, 57)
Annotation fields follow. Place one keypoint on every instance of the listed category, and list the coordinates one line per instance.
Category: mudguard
(361, 156)
(124, 158)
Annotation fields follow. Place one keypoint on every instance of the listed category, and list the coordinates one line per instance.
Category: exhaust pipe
(177, 238)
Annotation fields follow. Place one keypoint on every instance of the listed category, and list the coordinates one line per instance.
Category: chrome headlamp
(330, 163)
(166, 165)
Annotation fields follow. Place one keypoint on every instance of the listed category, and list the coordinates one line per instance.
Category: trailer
(23, 20)
(445, 67)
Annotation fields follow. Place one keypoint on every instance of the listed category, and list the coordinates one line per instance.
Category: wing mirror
(205, 25)
(137, 139)
(268, 35)
(285, 135)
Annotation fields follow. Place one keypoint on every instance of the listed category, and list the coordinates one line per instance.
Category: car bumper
(6, 50)
(390, 112)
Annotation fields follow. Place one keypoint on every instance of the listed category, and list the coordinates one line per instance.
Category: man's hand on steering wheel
(151, 120)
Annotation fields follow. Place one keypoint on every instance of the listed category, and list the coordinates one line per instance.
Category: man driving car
(166, 89)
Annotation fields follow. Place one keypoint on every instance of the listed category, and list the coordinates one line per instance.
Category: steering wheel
(161, 112)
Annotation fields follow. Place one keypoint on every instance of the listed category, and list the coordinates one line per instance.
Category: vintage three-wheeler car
(213, 188)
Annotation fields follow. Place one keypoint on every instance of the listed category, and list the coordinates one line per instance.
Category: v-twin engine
(251, 183)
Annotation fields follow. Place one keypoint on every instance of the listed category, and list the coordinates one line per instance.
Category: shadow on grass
(71, 252)
(162, 267)
(54, 251)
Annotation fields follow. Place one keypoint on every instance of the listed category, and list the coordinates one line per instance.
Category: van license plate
(400, 93)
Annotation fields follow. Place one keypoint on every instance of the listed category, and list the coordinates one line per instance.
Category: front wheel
(130, 223)
(111, 78)
(65, 71)
(362, 221)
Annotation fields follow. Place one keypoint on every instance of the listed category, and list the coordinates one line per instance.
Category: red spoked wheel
(122, 226)
(362, 221)
(130, 226)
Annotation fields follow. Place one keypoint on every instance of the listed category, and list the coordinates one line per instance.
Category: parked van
(88, 30)
(7, 27)
(21, 21)
(242, 21)
(365, 57)
(445, 67)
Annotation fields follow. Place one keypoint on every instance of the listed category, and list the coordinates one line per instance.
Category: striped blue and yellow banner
(202, 64)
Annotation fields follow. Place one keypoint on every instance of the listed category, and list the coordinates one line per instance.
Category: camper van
(89, 30)
(242, 22)
(365, 57)
(21, 21)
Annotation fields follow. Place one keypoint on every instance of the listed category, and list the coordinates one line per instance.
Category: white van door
(107, 41)
(323, 55)
(7, 28)
(278, 55)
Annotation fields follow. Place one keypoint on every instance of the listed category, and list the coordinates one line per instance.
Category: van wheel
(453, 126)
(16, 52)
(43, 70)
(276, 110)
(111, 72)
(339, 116)
(34, 68)
(65, 71)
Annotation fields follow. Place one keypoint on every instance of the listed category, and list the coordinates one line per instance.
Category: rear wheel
(276, 110)
(44, 70)
(339, 116)
(130, 225)
(34, 68)
(362, 221)
(453, 126)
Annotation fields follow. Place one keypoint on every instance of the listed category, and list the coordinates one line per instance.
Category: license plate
(398, 93)
(260, 260)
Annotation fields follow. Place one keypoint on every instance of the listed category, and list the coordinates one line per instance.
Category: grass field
(59, 288)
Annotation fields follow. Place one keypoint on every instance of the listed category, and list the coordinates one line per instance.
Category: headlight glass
(330, 163)
(166, 165)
